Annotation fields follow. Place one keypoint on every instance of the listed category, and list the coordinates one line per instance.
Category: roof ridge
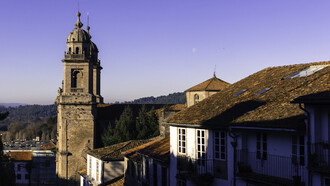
(127, 142)
(212, 79)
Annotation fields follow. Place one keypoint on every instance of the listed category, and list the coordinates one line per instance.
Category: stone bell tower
(76, 103)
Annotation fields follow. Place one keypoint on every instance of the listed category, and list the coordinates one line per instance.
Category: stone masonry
(77, 101)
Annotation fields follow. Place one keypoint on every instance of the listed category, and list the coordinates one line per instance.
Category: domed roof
(94, 47)
(78, 34)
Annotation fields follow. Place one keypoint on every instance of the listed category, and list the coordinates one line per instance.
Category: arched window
(77, 50)
(74, 78)
(69, 50)
(196, 98)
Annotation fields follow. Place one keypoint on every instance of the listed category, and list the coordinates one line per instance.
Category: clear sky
(156, 47)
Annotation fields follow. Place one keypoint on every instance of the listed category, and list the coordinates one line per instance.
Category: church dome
(94, 47)
(78, 34)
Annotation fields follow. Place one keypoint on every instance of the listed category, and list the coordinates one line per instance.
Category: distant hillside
(175, 98)
(12, 104)
(30, 114)
(26, 114)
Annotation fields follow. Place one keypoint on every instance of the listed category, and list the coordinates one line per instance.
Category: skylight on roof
(240, 92)
(264, 90)
(307, 71)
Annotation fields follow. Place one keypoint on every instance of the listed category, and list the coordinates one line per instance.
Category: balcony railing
(320, 156)
(191, 166)
(282, 170)
(69, 56)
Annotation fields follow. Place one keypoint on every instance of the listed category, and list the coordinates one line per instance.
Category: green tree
(153, 123)
(124, 130)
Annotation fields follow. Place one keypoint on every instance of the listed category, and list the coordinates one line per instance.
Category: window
(19, 176)
(147, 170)
(326, 181)
(77, 50)
(90, 166)
(164, 176)
(298, 150)
(69, 50)
(220, 145)
(97, 170)
(262, 146)
(196, 98)
(240, 92)
(182, 141)
(264, 90)
(307, 71)
(26, 176)
(201, 147)
(155, 173)
(18, 167)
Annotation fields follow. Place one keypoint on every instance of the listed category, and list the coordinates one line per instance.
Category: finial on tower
(78, 23)
(88, 23)
(214, 71)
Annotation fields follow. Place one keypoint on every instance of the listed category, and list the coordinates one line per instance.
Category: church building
(77, 101)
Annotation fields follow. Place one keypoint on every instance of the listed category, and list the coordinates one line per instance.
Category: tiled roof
(320, 97)
(20, 155)
(82, 172)
(212, 84)
(113, 152)
(132, 153)
(159, 150)
(269, 109)
(48, 146)
(119, 181)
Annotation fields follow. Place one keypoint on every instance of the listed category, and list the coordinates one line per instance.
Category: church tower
(76, 103)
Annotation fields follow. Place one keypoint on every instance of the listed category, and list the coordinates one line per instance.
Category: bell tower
(76, 103)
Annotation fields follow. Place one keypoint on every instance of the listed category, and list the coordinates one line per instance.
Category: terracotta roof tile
(82, 172)
(48, 146)
(113, 152)
(119, 181)
(159, 150)
(20, 155)
(132, 153)
(270, 109)
(212, 84)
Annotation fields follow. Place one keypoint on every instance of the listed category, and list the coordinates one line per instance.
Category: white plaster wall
(191, 142)
(22, 172)
(173, 154)
(112, 170)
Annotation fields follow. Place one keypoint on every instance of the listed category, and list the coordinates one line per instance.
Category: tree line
(129, 127)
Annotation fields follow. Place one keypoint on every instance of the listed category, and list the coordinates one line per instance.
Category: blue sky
(154, 47)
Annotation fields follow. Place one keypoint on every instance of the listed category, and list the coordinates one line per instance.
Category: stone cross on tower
(76, 103)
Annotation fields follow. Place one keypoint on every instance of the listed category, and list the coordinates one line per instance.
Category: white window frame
(182, 140)
(90, 166)
(97, 170)
(262, 146)
(220, 141)
(201, 146)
